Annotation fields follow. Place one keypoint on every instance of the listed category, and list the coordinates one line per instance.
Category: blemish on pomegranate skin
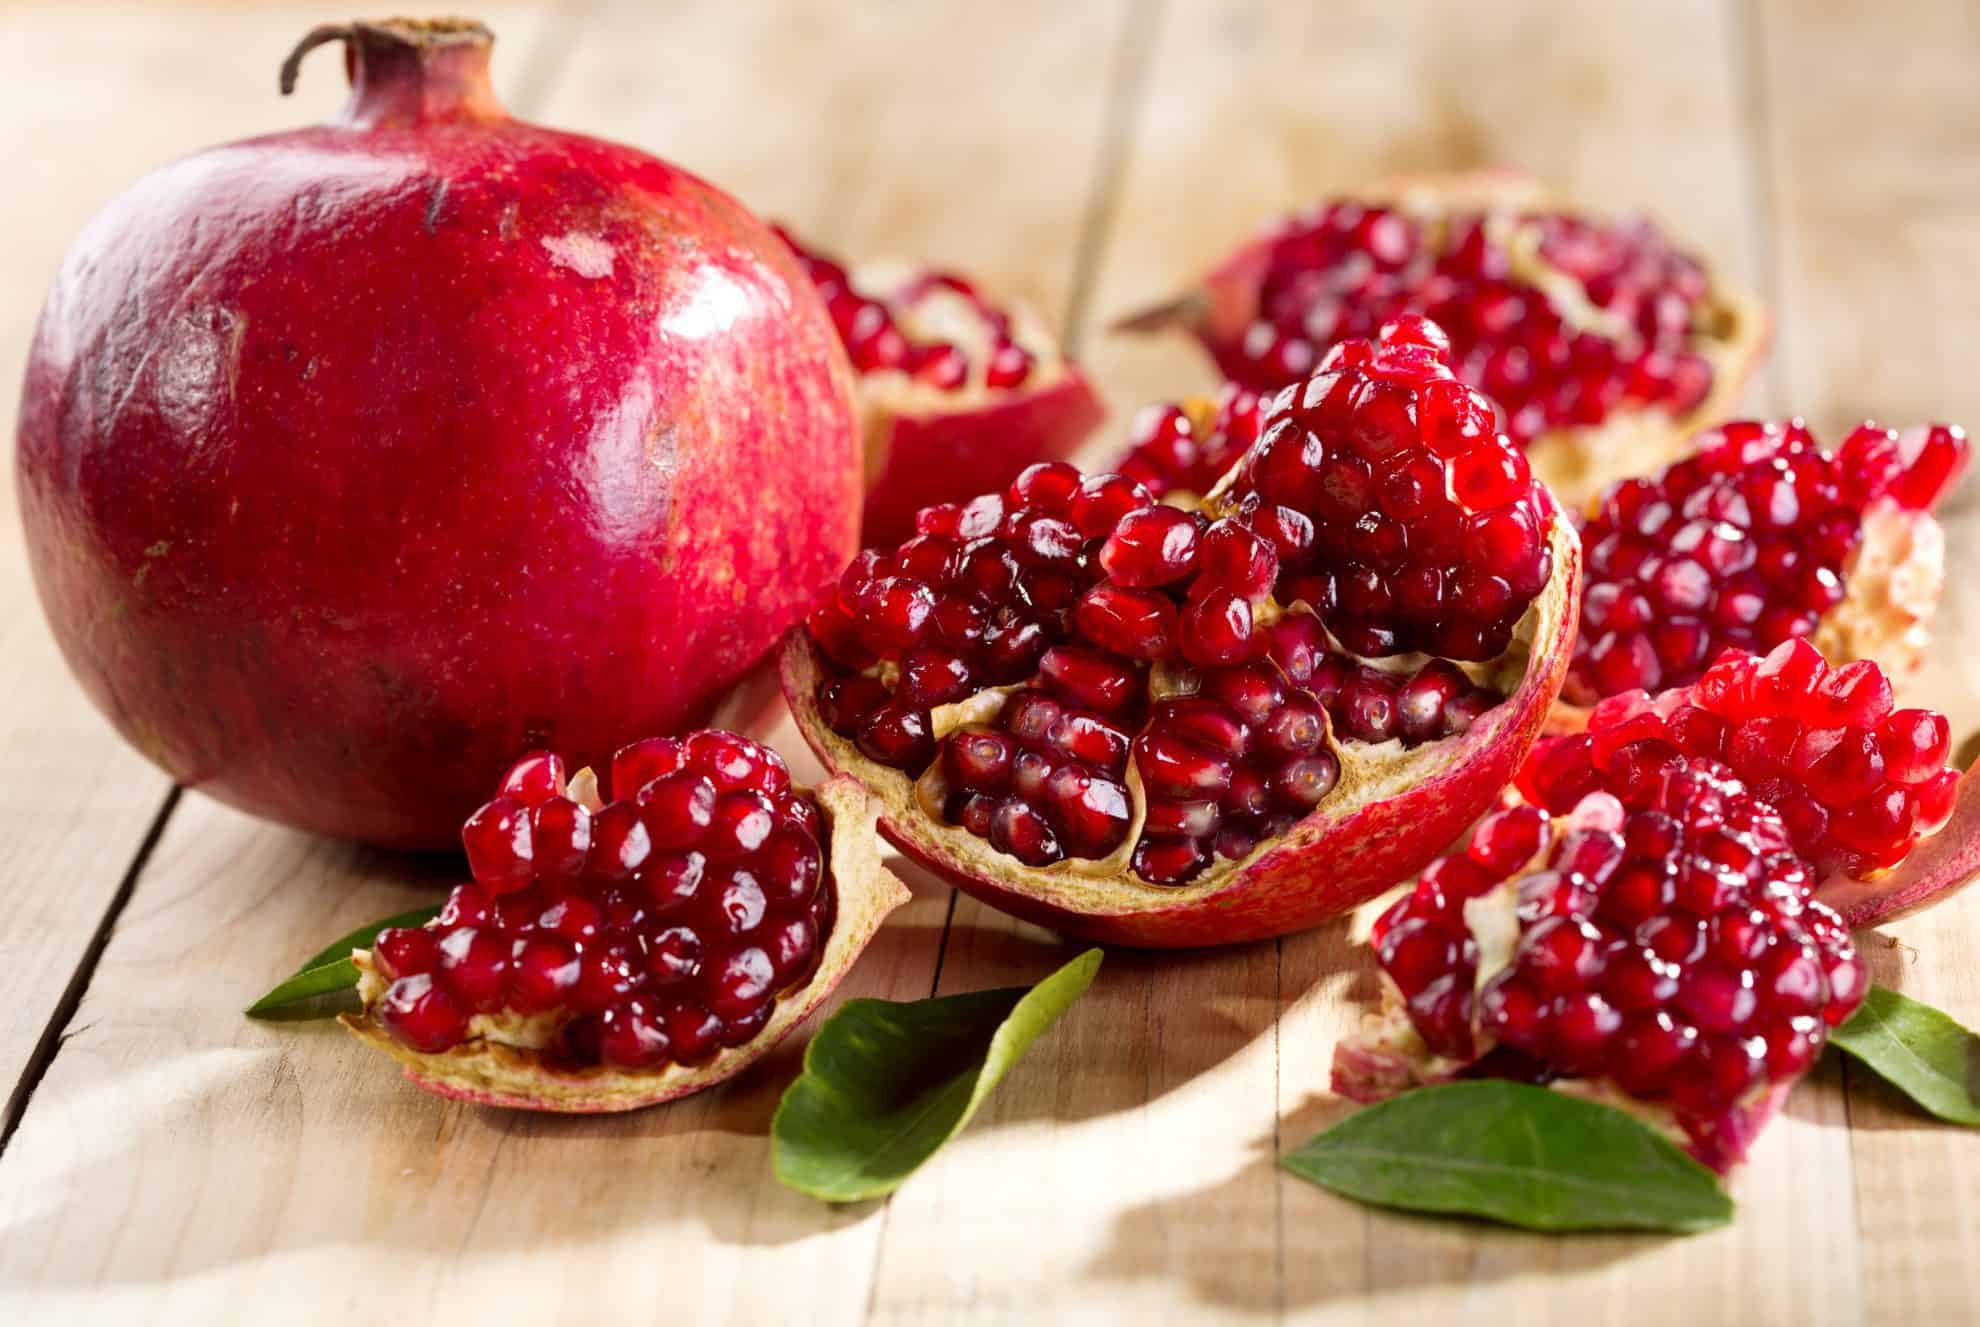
(587, 255)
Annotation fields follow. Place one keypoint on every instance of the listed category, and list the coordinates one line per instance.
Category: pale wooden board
(1878, 214)
(180, 1162)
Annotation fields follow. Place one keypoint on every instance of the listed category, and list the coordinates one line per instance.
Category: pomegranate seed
(497, 840)
(534, 779)
(422, 1015)
(1152, 546)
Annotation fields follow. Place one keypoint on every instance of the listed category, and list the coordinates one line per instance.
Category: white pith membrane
(1892, 582)
(1369, 773)
(501, 1061)
(1891, 588)
(1729, 330)
(1386, 1055)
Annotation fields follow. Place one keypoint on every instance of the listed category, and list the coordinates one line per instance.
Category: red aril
(357, 460)
(957, 391)
(1206, 722)
(1606, 346)
(659, 960)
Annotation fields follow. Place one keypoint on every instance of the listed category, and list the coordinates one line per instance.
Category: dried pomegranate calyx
(510, 1056)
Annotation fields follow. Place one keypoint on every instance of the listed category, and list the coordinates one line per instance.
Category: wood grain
(178, 1162)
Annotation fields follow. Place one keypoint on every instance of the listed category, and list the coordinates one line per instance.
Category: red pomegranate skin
(357, 460)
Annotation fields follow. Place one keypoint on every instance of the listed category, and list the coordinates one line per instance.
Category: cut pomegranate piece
(1859, 783)
(957, 392)
(613, 955)
(1759, 538)
(1662, 950)
(1175, 725)
(1606, 346)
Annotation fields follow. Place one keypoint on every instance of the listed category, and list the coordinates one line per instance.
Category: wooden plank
(192, 1163)
(1878, 210)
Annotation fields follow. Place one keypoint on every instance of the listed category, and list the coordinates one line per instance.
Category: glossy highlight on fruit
(608, 955)
(1606, 345)
(1762, 537)
(1188, 724)
(357, 460)
(957, 391)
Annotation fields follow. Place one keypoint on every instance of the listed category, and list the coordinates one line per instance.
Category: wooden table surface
(167, 1160)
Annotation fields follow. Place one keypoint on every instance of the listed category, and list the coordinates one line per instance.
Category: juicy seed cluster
(654, 929)
(1150, 640)
(1857, 781)
(1422, 528)
(1173, 449)
(876, 340)
(1741, 546)
(1668, 944)
(1342, 270)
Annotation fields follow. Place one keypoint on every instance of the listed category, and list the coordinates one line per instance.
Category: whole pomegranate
(357, 460)
(1196, 722)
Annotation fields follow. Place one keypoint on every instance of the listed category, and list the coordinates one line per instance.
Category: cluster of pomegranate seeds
(876, 341)
(655, 929)
(1428, 531)
(1741, 546)
(1175, 450)
(1343, 269)
(1380, 495)
(1857, 781)
(1667, 942)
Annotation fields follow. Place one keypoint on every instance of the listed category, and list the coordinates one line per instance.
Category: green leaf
(1917, 1050)
(1518, 1154)
(886, 1084)
(326, 984)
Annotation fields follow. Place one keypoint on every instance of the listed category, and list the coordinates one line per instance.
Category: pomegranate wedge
(1664, 921)
(1607, 346)
(1186, 725)
(1759, 538)
(1661, 953)
(957, 393)
(613, 955)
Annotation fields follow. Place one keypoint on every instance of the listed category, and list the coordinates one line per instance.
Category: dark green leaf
(1514, 1153)
(885, 1084)
(326, 985)
(1917, 1050)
